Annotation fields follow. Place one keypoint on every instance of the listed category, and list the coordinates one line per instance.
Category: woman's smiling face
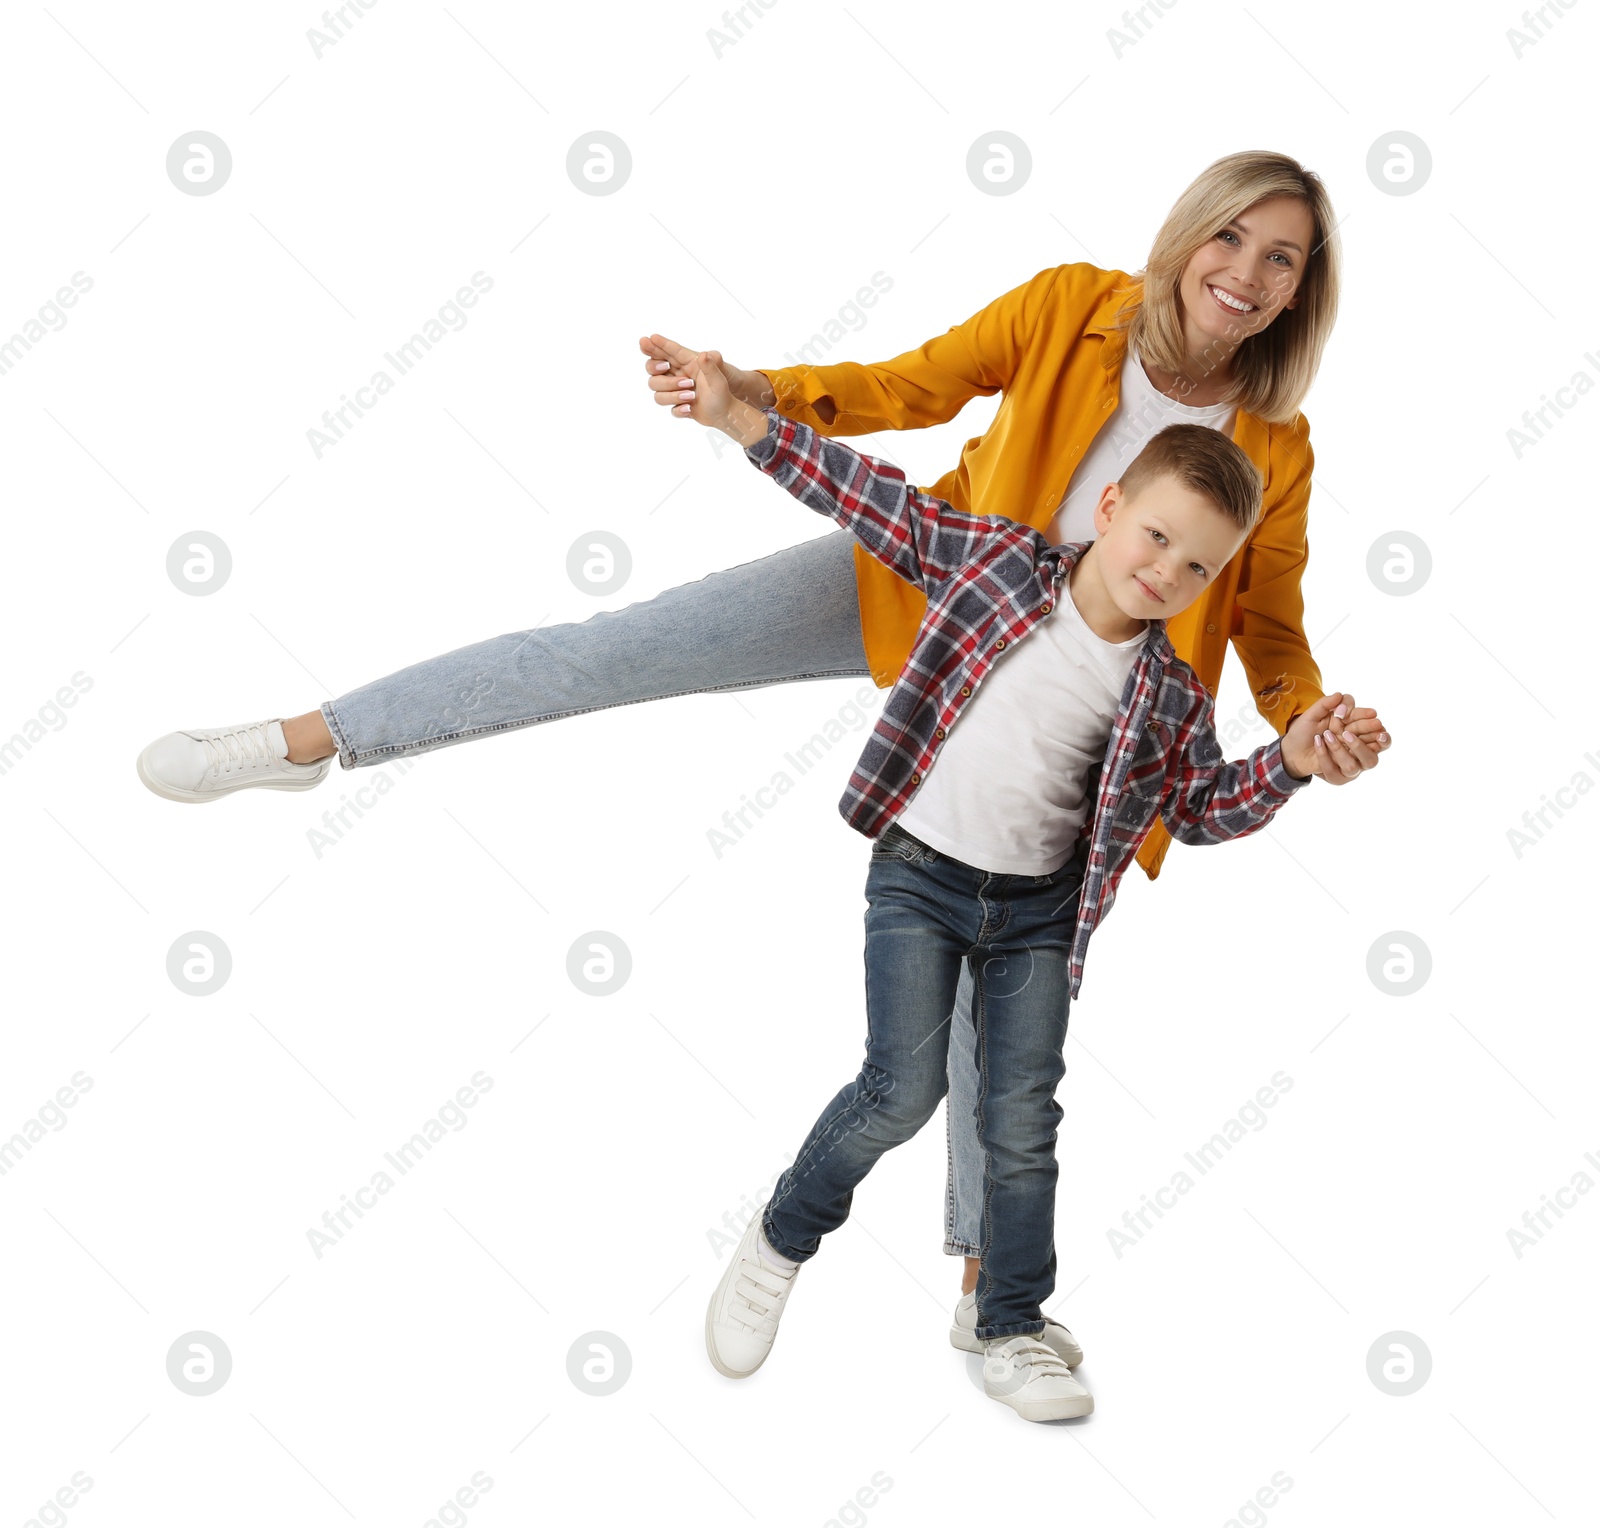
(1247, 273)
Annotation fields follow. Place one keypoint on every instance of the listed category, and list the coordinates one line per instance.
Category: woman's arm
(923, 387)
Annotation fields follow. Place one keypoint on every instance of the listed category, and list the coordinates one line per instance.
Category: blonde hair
(1202, 459)
(1274, 369)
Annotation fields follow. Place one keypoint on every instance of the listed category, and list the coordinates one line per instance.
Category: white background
(768, 184)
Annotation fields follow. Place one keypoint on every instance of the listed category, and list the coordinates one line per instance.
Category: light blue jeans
(793, 615)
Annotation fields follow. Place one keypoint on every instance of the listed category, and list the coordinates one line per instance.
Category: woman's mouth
(1229, 303)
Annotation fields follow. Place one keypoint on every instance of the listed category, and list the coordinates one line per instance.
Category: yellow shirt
(1051, 348)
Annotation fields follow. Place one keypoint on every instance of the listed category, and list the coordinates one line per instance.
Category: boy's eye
(1163, 540)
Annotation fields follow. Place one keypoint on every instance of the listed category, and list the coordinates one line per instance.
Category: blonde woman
(1223, 326)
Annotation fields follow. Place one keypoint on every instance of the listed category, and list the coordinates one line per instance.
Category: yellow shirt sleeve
(925, 386)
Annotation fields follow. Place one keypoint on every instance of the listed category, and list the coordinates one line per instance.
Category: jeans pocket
(895, 843)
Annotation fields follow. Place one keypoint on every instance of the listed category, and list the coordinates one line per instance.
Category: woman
(1224, 326)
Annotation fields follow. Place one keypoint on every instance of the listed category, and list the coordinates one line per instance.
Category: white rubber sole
(1047, 1411)
(200, 798)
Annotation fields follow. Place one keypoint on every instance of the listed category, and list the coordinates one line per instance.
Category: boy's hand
(710, 401)
(1323, 742)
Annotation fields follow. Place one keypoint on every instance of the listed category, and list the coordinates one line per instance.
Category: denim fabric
(793, 615)
(928, 915)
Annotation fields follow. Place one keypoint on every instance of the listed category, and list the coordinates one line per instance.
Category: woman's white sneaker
(208, 762)
(742, 1319)
(963, 1333)
(1024, 1374)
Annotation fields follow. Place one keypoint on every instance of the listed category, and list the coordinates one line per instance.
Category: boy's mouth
(1149, 593)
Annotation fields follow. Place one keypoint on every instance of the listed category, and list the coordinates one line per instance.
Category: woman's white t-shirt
(1139, 413)
(1007, 790)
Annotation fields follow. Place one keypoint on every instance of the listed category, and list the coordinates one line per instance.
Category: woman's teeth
(1231, 302)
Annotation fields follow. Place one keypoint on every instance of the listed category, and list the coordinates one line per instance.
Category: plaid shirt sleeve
(1211, 799)
(924, 539)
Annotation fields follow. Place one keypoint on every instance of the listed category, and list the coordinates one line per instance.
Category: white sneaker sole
(1047, 1411)
(199, 798)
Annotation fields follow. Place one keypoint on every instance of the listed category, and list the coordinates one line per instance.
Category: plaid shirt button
(966, 689)
(1001, 643)
(916, 779)
(938, 732)
(1044, 609)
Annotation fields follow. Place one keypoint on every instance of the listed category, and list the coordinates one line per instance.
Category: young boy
(999, 838)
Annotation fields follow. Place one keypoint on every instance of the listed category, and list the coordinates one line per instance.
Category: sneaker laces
(759, 1288)
(239, 748)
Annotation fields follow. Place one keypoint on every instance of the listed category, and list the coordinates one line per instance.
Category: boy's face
(1157, 552)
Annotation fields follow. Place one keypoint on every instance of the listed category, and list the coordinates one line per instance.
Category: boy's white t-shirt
(1007, 790)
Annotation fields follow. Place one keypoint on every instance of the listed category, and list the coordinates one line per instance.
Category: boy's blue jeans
(928, 915)
(791, 616)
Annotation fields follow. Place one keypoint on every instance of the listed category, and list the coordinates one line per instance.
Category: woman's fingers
(1347, 758)
(1371, 731)
(664, 358)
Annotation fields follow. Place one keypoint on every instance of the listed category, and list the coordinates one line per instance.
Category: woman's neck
(1182, 388)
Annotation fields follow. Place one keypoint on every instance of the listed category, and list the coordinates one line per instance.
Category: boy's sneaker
(742, 1319)
(963, 1333)
(209, 762)
(1024, 1374)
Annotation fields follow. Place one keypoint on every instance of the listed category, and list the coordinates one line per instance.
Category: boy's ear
(1111, 498)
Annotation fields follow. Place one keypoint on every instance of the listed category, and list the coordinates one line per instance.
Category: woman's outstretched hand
(667, 364)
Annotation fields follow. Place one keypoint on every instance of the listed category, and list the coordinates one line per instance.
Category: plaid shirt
(989, 581)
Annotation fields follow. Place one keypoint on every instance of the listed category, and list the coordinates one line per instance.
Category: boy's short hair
(1204, 460)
